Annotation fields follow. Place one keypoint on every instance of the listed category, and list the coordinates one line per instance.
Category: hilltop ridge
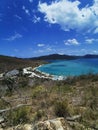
(63, 57)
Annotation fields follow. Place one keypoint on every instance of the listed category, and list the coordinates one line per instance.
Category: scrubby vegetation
(35, 99)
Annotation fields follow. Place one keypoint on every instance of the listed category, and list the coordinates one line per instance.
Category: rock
(55, 124)
(24, 127)
(12, 73)
(20, 127)
(1, 75)
(74, 118)
(1, 120)
(1, 128)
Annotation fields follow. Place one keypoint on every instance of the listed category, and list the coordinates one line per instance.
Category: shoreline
(49, 76)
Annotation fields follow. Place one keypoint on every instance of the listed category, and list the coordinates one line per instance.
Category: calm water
(71, 67)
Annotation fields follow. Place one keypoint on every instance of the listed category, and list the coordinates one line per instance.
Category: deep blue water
(71, 67)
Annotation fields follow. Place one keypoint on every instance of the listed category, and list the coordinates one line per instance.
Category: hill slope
(8, 63)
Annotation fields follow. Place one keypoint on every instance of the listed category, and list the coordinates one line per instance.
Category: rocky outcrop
(55, 124)
(24, 127)
(19, 127)
(12, 73)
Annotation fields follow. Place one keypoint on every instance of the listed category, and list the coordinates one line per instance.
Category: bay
(70, 67)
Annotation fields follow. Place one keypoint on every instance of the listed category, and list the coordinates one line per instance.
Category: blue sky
(30, 28)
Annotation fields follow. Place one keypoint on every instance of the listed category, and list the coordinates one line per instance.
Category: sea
(67, 68)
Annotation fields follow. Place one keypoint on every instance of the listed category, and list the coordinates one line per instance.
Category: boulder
(12, 73)
(1, 119)
(54, 124)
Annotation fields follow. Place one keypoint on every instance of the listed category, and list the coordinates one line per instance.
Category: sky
(31, 28)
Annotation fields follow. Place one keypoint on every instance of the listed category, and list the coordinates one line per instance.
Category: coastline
(43, 74)
(49, 76)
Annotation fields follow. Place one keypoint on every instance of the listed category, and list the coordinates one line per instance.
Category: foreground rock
(20, 127)
(55, 124)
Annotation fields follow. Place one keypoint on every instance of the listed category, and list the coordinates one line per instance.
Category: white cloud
(26, 10)
(91, 40)
(40, 45)
(14, 37)
(96, 30)
(71, 42)
(69, 16)
(36, 19)
(95, 51)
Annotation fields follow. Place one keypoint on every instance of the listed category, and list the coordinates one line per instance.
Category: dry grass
(51, 99)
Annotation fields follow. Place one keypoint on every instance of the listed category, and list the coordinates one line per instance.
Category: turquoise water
(71, 67)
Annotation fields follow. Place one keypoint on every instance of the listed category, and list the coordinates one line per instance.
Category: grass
(18, 116)
(51, 99)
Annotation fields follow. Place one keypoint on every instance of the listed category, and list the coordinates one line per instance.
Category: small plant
(38, 115)
(18, 116)
(61, 109)
(38, 91)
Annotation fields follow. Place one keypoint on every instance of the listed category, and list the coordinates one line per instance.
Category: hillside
(26, 100)
(36, 100)
(8, 63)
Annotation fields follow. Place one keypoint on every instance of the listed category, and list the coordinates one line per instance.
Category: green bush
(37, 91)
(61, 109)
(18, 116)
(38, 115)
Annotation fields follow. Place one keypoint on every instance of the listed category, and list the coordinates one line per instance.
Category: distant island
(63, 57)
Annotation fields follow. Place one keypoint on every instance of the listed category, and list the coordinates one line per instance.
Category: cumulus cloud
(69, 16)
(14, 37)
(40, 45)
(71, 42)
